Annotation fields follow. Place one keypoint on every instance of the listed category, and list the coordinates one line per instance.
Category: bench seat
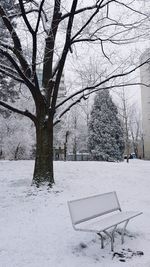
(101, 224)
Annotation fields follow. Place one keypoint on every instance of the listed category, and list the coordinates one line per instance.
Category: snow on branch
(17, 50)
(16, 66)
(8, 68)
(16, 110)
(10, 28)
(10, 73)
(6, 45)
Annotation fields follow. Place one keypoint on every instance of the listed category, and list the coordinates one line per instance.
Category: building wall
(145, 99)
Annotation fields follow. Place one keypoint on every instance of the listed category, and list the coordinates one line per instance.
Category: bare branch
(16, 66)
(34, 91)
(10, 73)
(81, 10)
(112, 77)
(85, 95)
(132, 9)
(39, 15)
(30, 11)
(65, 52)
(25, 17)
(85, 25)
(34, 46)
(16, 110)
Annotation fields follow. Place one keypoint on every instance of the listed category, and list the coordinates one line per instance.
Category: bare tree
(124, 111)
(130, 115)
(56, 31)
(135, 128)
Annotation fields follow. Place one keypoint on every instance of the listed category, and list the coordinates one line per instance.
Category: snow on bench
(98, 214)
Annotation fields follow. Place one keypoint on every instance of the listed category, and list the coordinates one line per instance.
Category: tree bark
(43, 170)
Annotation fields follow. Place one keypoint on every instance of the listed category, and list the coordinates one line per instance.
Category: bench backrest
(84, 209)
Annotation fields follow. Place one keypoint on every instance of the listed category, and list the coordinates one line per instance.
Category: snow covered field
(35, 225)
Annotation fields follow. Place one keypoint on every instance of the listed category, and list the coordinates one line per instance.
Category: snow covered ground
(35, 225)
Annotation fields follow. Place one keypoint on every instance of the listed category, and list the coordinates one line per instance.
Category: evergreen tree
(8, 91)
(105, 140)
(6, 84)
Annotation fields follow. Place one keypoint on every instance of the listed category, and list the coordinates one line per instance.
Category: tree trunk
(16, 152)
(43, 170)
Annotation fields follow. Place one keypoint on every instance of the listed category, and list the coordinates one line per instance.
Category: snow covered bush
(105, 140)
(17, 134)
(16, 138)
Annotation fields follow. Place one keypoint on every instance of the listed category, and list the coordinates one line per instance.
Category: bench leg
(123, 231)
(111, 235)
(102, 240)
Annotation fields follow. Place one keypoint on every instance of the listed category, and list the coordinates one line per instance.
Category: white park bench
(100, 214)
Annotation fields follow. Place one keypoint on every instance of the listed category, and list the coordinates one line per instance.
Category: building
(145, 99)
